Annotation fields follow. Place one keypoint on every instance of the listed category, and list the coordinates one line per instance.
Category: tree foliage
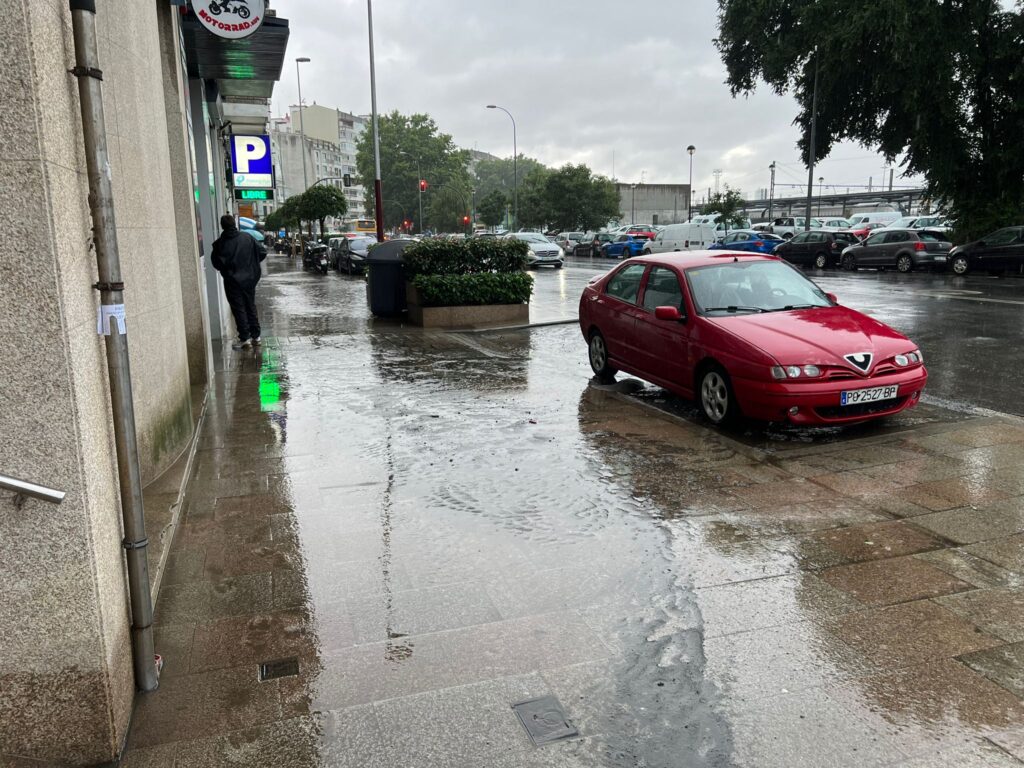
(319, 202)
(941, 83)
(533, 200)
(404, 140)
(448, 204)
(579, 200)
(497, 174)
(729, 207)
(492, 208)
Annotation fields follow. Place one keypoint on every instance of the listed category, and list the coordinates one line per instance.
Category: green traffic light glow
(270, 392)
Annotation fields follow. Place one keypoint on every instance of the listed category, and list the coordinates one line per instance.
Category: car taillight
(759, 244)
(686, 243)
(919, 246)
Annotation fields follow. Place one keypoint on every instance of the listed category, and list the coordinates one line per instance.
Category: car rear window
(932, 237)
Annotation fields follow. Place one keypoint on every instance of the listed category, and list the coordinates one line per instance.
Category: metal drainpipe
(111, 288)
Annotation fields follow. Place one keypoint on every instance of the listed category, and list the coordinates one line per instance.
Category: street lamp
(515, 165)
(771, 191)
(378, 194)
(689, 192)
(821, 179)
(302, 133)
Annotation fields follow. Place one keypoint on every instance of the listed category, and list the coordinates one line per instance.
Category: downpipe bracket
(140, 544)
(118, 286)
(87, 72)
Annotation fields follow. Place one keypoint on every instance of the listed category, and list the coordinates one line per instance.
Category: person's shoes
(258, 340)
(247, 344)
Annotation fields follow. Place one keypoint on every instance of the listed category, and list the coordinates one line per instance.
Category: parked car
(835, 224)
(681, 237)
(623, 247)
(592, 243)
(861, 231)
(904, 222)
(874, 217)
(1002, 251)
(748, 240)
(567, 241)
(762, 341)
(542, 251)
(350, 254)
(904, 249)
(714, 219)
(818, 248)
(787, 226)
(936, 223)
(642, 230)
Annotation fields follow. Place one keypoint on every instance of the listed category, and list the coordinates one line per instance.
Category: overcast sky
(584, 79)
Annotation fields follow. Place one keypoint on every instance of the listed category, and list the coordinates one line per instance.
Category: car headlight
(531, 254)
(795, 372)
(901, 360)
(916, 356)
(561, 253)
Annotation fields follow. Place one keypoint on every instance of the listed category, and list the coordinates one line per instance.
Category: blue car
(623, 247)
(748, 240)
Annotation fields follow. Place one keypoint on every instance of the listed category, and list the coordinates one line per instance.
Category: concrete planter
(471, 316)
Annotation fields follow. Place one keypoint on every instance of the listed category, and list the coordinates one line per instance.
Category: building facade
(653, 203)
(66, 671)
(342, 129)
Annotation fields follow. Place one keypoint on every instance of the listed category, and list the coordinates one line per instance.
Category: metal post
(632, 212)
(377, 190)
(689, 192)
(302, 132)
(771, 192)
(810, 145)
(111, 287)
(515, 166)
(821, 180)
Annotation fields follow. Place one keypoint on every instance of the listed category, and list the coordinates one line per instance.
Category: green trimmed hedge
(465, 257)
(473, 289)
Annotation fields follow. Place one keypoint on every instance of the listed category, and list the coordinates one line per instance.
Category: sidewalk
(429, 528)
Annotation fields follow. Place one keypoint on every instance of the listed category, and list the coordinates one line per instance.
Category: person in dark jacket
(237, 256)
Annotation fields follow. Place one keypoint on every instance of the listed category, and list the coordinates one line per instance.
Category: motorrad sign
(233, 19)
(251, 164)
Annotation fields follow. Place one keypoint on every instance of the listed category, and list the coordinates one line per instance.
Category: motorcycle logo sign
(233, 19)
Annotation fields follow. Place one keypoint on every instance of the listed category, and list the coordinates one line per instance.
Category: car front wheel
(717, 400)
(960, 265)
(904, 263)
(599, 356)
(821, 261)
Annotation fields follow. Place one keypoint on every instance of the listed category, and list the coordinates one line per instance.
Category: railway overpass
(840, 204)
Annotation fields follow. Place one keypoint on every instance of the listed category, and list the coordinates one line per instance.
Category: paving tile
(950, 493)
(969, 525)
(797, 518)
(1008, 553)
(910, 633)
(854, 483)
(791, 491)
(378, 616)
(1012, 741)
(971, 568)
(921, 470)
(988, 434)
(978, 753)
(470, 721)
(877, 540)
(998, 612)
(1003, 665)
(770, 602)
(240, 558)
(893, 580)
(184, 565)
(209, 531)
(174, 643)
(250, 640)
(207, 601)
(1000, 456)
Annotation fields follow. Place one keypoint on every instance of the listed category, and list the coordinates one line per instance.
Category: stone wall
(66, 686)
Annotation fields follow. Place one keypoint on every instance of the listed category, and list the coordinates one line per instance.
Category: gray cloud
(584, 78)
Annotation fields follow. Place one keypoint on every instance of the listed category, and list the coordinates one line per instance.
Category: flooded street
(421, 529)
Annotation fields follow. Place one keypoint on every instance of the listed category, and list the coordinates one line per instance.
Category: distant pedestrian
(237, 256)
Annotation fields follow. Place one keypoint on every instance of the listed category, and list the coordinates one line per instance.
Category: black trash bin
(385, 280)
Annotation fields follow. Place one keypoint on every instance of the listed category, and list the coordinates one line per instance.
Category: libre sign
(233, 19)
(254, 194)
(251, 164)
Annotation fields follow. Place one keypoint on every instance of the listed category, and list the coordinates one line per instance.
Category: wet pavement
(435, 526)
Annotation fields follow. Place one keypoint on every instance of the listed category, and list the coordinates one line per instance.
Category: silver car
(542, 251)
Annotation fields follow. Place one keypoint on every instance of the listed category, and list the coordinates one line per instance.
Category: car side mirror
(982, 242)
(669, 314)
(832, 297)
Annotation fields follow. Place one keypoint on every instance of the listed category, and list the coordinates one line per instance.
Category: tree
(954, 110)
(729, 207)
(534, 211)
(410, 145)
(496, 174)
(320, 201)
(286, 215)
(492, 208)
(448, 205)
(578, 200)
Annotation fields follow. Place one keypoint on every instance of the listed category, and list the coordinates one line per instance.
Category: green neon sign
(254, 194)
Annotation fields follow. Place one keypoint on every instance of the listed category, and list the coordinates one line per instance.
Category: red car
(747, 335)
(863, 230)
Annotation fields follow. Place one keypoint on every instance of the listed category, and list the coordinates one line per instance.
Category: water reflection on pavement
(439, 525)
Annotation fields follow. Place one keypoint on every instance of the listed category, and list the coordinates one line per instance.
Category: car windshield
(906, 221)
(359, 243)
(752, 286)
(531, 237)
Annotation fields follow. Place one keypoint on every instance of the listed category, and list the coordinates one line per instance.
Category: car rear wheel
(598, 350)
(849, 262)
(717, 400)
(904, 263)
(960, 265)
(821, 261)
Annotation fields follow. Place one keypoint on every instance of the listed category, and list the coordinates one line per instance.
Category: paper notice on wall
(107, 312)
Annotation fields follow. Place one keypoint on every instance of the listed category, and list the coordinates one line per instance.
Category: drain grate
(544, 720)
(271, 670)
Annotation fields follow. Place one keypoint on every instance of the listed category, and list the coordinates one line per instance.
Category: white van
(720, 227)
(875, 217)
(682, 237)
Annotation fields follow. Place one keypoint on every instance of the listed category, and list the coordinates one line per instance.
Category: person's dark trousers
(242, 300)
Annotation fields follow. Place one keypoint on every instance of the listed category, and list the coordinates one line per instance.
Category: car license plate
(857, 396)
(940, 258)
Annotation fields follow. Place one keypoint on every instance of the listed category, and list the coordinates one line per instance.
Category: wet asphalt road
(437, 525)
(971, 329)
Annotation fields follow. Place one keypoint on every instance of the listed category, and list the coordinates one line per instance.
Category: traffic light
(423, 185)
(465, 219)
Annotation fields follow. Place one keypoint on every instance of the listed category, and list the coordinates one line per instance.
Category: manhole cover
(545, 720)
(271, 670)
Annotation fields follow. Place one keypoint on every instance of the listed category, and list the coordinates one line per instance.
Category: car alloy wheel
(599, 356)
(821, 261)
(960, 265)
(716, 396)
(904, 263)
